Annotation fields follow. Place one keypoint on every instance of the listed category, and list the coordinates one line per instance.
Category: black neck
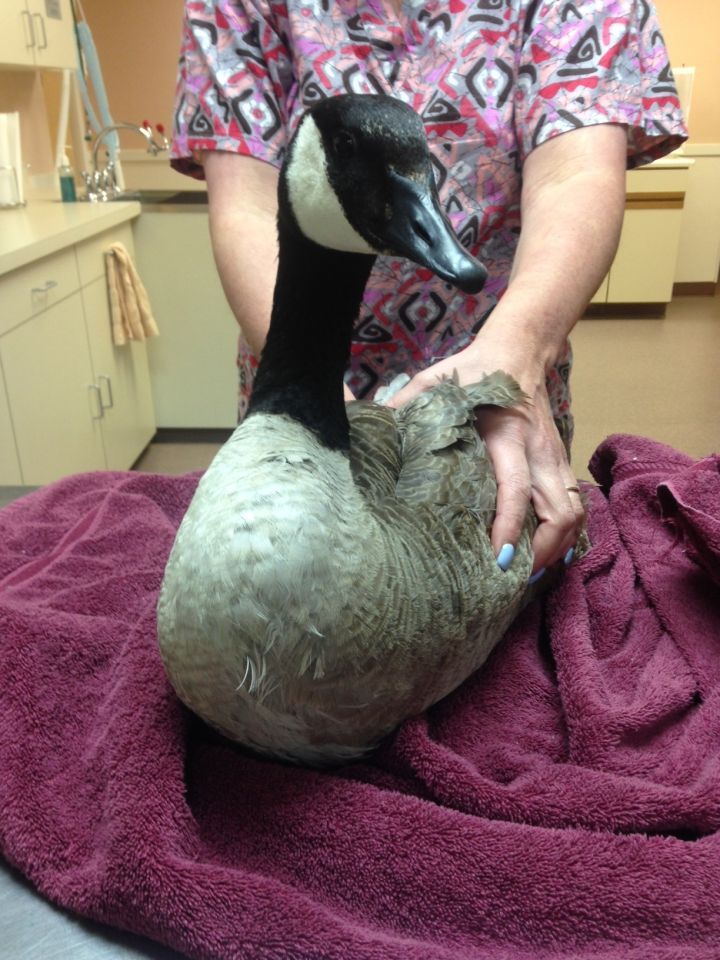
(318, 293)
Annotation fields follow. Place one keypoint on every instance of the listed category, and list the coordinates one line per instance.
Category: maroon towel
(563, 803)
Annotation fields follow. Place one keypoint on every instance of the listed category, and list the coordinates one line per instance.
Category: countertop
(46, 226)
(31, 928)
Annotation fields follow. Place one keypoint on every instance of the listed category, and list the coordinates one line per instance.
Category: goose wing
(444, 461)
(375, 449)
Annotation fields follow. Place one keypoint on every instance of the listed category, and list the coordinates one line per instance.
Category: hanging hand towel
(130, 311)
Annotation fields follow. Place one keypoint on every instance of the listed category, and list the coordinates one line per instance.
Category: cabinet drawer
(32, 289)
(91, 254)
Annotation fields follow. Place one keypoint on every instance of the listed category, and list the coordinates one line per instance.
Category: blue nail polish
(505, 557)
(536, 576)
(568, 558)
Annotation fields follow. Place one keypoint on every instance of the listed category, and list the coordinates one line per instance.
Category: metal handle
(43, 45)
(111, 402)
(49, 285)
(93, 387)
(30, 29)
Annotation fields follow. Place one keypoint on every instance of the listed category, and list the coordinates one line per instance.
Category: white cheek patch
(314, 202)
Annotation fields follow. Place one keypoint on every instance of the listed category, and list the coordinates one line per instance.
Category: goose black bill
(420, 231)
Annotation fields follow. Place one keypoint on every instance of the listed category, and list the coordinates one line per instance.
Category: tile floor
(655, 377)
(176, 457)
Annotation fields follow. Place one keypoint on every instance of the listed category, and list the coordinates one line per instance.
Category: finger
(578, 506)
(557, 529)
(513, 492)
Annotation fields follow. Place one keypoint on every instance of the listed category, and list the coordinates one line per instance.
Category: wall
(691, 29)
(21, 91)
(138, 42)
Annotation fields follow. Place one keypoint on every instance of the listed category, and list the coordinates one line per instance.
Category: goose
(333, 574)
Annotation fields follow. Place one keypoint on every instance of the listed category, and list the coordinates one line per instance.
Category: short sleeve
(588, 62)
(234, 78)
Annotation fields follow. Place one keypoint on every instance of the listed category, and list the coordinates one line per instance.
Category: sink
(186, 198)
(165, 197)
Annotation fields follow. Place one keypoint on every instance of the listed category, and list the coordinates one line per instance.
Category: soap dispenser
(67, 181)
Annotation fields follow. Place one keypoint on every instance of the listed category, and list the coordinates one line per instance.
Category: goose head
(358, 178)
(357, 181)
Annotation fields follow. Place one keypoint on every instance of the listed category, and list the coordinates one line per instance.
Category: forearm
(243, 206)
(572, 208)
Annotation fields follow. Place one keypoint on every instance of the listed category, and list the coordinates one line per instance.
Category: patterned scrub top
(491, 79)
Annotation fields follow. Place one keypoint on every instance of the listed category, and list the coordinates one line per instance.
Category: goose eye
(343, 145)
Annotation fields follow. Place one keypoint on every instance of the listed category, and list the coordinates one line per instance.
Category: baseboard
(192, 434)
(707, 289)
(614, 311)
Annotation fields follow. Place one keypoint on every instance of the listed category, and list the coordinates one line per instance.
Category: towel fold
(130, 312)
(562, 803)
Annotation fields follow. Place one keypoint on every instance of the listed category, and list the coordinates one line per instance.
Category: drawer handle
(49, 285)
(30, 29)
(94, 388)
(108, 382)
(43, 45)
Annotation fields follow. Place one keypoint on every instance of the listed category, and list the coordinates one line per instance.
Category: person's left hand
(525, 449)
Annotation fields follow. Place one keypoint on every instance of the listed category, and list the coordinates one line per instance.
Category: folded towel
(563, 803)
(130, 311)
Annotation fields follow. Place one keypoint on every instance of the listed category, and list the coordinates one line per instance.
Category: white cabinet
(9, 464)
(192, 362)
(54, 33)
(54, 402)
(123, 381)
(37, 33)
(17, 43)
(73, 400)
(602, 293)
(645, 265)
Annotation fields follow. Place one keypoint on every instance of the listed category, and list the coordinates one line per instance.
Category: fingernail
(536, 576)
(505, 557)
(568, 558)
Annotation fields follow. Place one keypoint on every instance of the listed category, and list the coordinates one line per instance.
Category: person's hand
(348, 394)
(526, 451)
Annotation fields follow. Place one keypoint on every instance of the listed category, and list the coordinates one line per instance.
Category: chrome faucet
(101, 185)
(153, 147)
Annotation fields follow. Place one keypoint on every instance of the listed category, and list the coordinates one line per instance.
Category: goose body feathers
(313, 600)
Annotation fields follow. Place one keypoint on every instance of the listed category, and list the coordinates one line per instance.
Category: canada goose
(333, 574)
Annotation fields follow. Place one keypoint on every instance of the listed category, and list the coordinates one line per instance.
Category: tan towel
(130, 312)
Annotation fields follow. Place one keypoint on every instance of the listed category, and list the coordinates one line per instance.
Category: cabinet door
(17, 39)
(194, 377)
(601, 294)
(123, 377)
(49, 381)
(9, 464)
(55, 44)
(644, 267)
